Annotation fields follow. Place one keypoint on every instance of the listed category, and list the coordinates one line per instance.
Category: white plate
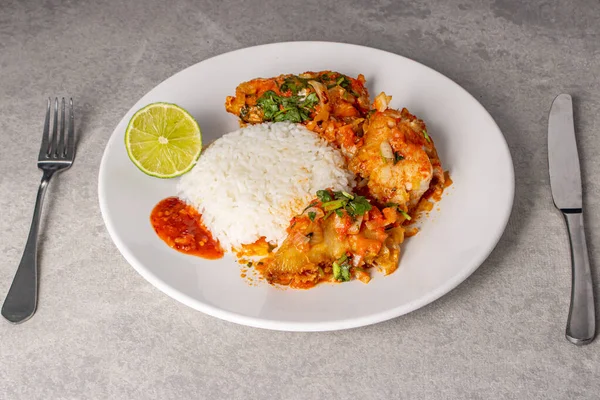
(453, 241)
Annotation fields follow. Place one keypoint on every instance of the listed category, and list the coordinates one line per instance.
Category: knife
(565, 181)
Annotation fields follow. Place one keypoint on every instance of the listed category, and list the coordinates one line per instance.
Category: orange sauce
(259, 248)
(447, 179)
(180, 226)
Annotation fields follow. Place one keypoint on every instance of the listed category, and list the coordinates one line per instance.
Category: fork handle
(581, 325)
(21, 300)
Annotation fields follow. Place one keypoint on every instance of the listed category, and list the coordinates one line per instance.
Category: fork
(57, 153)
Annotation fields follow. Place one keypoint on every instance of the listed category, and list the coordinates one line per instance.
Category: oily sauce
(180, 226)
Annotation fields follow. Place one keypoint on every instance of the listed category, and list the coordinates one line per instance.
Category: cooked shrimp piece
(398, 158)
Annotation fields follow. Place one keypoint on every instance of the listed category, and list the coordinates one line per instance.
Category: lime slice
(163, 140)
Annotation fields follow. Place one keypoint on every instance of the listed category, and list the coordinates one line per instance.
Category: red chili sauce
(180, 226)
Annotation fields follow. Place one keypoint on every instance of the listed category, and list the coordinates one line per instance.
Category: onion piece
(318, 212)
(321, 91)
(386, 150)
(362, 183)
(381, 102)
(355, 227)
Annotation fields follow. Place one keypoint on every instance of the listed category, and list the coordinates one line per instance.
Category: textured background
(102, 331)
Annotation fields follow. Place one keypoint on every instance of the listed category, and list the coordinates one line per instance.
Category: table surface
(102, 331)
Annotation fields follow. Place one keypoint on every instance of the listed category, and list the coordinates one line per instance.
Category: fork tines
(57, 146)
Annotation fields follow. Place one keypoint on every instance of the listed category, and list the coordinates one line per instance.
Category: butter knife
(565, 181)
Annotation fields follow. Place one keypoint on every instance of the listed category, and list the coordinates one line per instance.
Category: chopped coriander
(341, 269)
(281, 108)
(293, 84)
(397, 206)
(269, 104)
(353, 204)
(359, 206)
(324, 195)
(344, 82)
(397, 157)
(426, 135)
(405, 214)
(312, 215)
(333, 205)
(339, 213)
(311, 100)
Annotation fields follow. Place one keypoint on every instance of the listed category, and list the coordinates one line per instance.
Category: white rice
(251, 182)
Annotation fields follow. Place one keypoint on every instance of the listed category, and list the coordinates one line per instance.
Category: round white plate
(454, 240)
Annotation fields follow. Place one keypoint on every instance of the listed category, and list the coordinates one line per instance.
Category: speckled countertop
(102, 332)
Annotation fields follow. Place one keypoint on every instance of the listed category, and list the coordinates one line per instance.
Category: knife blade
(565, 176)
(567, 193)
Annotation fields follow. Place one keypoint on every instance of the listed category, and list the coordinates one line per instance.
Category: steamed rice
(251, 182)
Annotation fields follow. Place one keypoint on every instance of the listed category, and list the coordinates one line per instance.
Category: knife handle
(581, 325)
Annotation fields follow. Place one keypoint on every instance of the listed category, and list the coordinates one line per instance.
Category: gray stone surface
(101, 331)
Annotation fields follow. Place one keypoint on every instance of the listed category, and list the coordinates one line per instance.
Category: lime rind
(173, 123)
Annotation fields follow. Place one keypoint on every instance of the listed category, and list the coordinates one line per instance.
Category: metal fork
(56, 154)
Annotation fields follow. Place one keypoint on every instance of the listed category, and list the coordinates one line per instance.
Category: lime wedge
(163, 140)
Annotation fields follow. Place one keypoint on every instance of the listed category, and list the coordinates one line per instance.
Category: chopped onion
(318, 212)
(381, 102)
(299, 239)
(355, 227)
(321, 91)
(386, 150)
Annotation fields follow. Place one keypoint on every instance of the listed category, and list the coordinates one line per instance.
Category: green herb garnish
(344, 82)
(405, 214)
(293, 84)
(359, 206)
(324, 195)
(244, 112)
(341, 269)
(397, 157)
(426, 135)
(269, 102)
(353, 204)
(397, 206)
(311, 100)
(339, 213)
(281, 108)
(334, 204)
(312, 215)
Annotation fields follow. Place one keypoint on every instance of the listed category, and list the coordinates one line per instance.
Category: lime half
(163, 140)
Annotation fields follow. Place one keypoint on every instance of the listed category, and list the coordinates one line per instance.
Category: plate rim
(322, 326)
